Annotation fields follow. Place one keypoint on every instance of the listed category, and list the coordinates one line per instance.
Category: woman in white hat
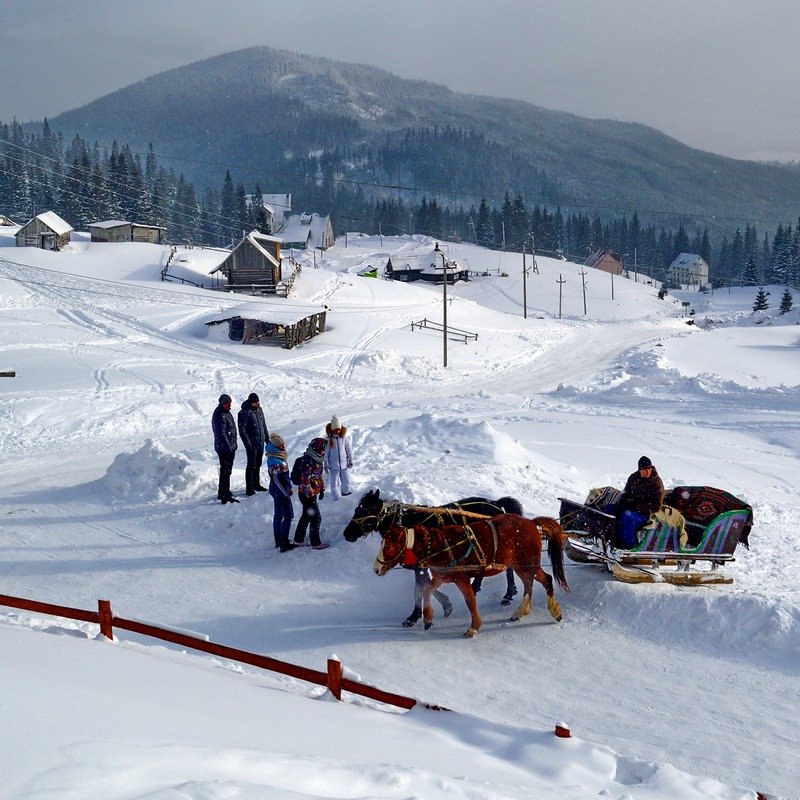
(338, 458)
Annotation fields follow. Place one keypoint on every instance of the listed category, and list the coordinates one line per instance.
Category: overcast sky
(721, 75)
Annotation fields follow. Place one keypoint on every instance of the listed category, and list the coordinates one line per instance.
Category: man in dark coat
(254, 433)
(225, 444)
(643, 495)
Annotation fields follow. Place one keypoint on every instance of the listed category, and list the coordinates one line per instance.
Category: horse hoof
(470, 633)
(409, 623)
(428, 625)
(447, 610)
(554, 608)
(506, 601)
(515, 618)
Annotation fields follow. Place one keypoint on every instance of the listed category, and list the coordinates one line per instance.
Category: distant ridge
(270, 109)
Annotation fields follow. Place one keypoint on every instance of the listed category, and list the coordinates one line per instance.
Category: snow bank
(152, 474)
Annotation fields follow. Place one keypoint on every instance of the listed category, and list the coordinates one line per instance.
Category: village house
(606, 260)
(47, 231)
(430, 268)
(254, 265)
(116, 230)
(276, 207)
(6, 221)
(307, 231)
(688, 268)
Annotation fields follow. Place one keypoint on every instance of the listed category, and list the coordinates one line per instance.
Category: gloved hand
(322, 495)
(349, 463)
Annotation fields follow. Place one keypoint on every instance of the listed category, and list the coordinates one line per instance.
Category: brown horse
(455, 554)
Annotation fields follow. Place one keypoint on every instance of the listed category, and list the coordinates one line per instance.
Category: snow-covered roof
(274, 314)
(148, 226)
(298, 227)
(687, 260)
(109, 223)
(54, 222)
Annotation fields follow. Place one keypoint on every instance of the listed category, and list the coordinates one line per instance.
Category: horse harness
(457, 563)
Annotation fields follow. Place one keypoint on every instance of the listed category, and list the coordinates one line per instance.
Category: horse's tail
(555, 547)
(510, 505)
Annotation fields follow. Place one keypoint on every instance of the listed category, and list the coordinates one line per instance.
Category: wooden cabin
(46, 231)
(254, 265)
(6, 221)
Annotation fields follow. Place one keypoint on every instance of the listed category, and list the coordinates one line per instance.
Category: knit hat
(335, 424)
(277, 440)
(317, 445)
(252, 397)
(224, 399)
(645, 463)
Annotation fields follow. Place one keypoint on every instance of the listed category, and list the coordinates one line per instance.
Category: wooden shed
(117, 230)
(47, 231)
(6, 221)
(254, 265)
(287, 328)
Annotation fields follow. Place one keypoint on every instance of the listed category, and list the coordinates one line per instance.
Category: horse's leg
(524, 608)
(420, 583)
(430, 587)
(444, 602)
(477, 582)
(465, 587)
(552, 604)
(511, 588)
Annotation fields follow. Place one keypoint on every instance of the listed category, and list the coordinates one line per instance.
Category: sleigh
(689, 542)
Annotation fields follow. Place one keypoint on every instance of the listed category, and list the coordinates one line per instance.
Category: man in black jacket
(225, 444)
(643, 495)
(254, 433)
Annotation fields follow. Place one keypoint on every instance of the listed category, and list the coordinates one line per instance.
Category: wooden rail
(456, 334)
(332, 678)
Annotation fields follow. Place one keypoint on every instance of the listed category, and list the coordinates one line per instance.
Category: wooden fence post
(106, 626)
(335, 678)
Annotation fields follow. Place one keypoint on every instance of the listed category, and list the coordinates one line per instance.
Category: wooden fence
(332, 678)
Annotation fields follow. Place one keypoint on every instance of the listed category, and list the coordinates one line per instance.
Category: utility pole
(583, 280)
(535, 267)
(380, 233)
(503, 223)
(524, 285)
(474, 234)
(635, 273)
(612, 285)
(444, 306)
(560, 283)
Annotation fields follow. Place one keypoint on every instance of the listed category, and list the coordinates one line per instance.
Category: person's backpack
(296, 468)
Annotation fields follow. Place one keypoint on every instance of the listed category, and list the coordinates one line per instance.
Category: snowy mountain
(110, 479)
(263, 112)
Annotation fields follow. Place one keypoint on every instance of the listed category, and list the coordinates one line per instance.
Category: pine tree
(761, 303)
(787, 301)
(750, 277)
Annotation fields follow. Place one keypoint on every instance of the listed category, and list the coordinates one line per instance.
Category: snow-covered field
(109, 487)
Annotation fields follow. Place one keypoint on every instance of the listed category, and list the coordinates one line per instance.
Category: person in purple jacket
(280, 488)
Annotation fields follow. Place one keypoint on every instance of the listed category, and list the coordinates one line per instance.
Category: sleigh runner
(686, 543)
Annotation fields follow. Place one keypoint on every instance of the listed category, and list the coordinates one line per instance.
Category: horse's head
(394, 543)
(367, 515)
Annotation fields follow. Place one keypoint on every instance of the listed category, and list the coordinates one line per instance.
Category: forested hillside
(83, 183)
